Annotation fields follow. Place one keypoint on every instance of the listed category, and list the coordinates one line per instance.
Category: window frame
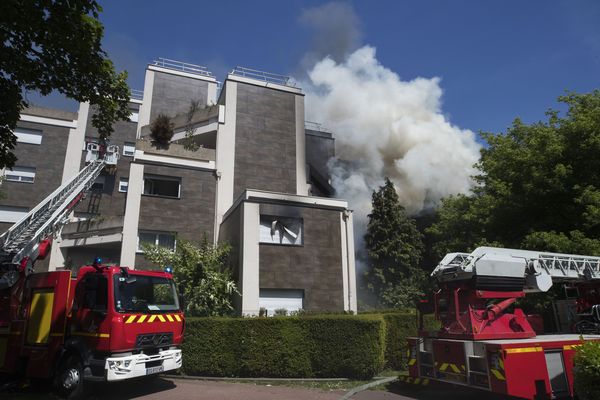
(156, 234)
(8, 171)
(128, 145)
(163, 178)
(121, 181)
(26, 133)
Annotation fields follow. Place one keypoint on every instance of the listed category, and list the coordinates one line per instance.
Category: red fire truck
(487, 343)
(108, 323)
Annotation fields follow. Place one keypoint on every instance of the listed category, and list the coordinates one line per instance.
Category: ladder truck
(486, 342)
(108, 323)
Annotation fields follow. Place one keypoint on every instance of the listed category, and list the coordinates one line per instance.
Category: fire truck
(108, 323)
(486, 341)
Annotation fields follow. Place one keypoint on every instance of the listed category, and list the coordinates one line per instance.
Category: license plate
(154, 370)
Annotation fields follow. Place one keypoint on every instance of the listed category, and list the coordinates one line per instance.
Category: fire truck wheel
(69, 378)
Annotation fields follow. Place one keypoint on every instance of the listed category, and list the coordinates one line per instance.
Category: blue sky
(497, 60)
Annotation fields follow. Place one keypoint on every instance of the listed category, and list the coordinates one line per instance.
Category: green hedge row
(333, 345)
(313, 346)
(587, 371)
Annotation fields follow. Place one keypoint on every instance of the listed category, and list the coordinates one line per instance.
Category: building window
(163, 186)
(281, 230)
(163, 239)
(20, 174)
(129, 149)
(31, 136)
(12, 214)
(134, 115)
(98, 184)
(123, 184)
(277, 300)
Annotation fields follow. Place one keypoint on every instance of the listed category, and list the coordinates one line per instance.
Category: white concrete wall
(132, 215)
(225, 156)
(301, 181)
(348, 262)
(249, 269)
(144, 113)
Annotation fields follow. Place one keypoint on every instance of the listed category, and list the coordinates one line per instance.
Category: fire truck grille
(153, 340)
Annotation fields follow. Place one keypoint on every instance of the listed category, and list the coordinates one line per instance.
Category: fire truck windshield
(145, 294)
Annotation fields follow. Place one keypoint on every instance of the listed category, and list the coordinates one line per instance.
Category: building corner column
(250, 265)
(132, 215)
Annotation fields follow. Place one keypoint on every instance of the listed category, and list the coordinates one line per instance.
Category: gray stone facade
(265, 140)
(190, 217)
(314, 267)
(258, 171)
(171, 94)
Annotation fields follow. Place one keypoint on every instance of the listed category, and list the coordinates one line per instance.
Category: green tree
(538, 187)
(394, 248)
(48, 45)
(201, 273)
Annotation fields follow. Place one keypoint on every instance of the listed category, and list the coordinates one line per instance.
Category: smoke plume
(385, 126)
(335, 31)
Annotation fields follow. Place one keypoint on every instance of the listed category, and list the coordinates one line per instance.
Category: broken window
(281, 230)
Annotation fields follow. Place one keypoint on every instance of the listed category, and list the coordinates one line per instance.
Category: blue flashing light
(97, 261)
(169, 269)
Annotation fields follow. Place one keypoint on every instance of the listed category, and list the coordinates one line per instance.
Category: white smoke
(385, 126)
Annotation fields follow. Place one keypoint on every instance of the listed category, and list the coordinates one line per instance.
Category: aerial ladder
(30, 238)
(486, 341)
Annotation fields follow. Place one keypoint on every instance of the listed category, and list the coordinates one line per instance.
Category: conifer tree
(395, 248)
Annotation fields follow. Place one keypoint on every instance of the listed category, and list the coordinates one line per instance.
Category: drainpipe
(346, 216)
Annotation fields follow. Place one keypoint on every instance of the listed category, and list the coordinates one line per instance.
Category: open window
(163, 186)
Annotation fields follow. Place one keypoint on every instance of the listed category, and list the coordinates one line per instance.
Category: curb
(369, 385)
(222, 378)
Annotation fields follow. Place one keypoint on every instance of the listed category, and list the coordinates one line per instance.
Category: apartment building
(243, 167)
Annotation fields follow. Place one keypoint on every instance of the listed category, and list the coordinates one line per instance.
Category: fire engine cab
(487, 343)
(108, 323)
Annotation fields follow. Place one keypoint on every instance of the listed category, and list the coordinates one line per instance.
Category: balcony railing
(183, 67)
(137, 94)
(264, 76)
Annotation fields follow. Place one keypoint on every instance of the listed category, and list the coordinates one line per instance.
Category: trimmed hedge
(587, 371)
(330, 345)
(312, 346)
(399, 326)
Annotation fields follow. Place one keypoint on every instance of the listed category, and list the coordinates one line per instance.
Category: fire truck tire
(69, 378)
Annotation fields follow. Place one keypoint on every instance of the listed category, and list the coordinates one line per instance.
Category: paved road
(180, 389)
(176, 389)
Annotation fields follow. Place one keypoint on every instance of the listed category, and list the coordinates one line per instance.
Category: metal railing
(182, 66)
(137, 94)
(264, 76)
(316, 126)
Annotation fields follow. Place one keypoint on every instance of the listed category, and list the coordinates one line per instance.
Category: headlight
(126, 363)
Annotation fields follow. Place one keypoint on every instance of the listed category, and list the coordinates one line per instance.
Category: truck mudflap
(119, 368)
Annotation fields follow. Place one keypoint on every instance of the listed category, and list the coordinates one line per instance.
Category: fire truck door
(91, 303)
(46, 296)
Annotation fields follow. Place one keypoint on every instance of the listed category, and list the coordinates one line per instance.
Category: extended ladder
(20, 243)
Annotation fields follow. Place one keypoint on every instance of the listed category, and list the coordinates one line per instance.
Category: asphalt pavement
(180, 389)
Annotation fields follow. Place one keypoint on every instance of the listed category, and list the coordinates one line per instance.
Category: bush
(587, 371)
(285, 347)
(161, 130)
(399, 326)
